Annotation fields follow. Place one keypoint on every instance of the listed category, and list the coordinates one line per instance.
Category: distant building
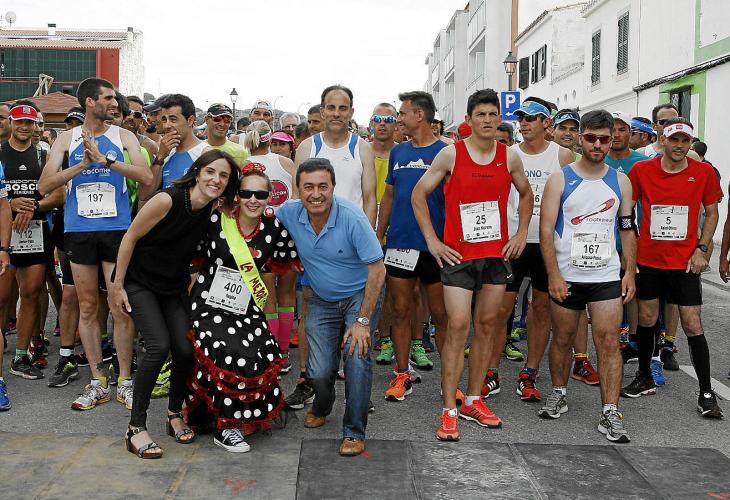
(69, 56)
(55, 107)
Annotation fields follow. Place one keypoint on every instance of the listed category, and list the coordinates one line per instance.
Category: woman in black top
(151, 281)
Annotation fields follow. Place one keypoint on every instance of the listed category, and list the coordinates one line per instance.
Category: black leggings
(163, 321)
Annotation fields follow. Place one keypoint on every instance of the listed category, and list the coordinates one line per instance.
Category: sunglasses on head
(383, 119)
(592, 138)
(248, 193)
(529, 118)
(223, 118)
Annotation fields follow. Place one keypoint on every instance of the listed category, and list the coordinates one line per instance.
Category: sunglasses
(137, 114)
(383, 119)
(529, 118)
(248, 193)
(592, 138)
(224, 119)
(662, 121)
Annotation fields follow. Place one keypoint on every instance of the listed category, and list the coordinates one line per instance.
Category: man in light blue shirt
(344, 263)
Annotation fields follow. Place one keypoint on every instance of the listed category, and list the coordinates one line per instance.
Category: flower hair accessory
(253, 167)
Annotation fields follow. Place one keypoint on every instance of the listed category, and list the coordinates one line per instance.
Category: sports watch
(702, 248)
(111, 157)
(363, 320)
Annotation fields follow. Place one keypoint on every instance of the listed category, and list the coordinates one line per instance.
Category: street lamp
(234, 98)
(510, 65)
(300, 106)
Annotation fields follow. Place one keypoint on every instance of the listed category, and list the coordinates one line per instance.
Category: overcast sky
(265, 49)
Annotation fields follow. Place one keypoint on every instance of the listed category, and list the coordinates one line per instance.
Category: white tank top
(281, 180)
(347, 164)
(650, 151)
(537, 169)
(586, 228)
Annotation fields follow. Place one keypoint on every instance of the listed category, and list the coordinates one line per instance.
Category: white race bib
(669, 222)
(30, 240)
(404, 258)
(591, 250)
(228, 291)
(537, 189)
(96, 200)
(480, 221)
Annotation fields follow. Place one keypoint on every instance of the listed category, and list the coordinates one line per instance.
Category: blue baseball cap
(641, 126)
(532, 108)
(565, 116)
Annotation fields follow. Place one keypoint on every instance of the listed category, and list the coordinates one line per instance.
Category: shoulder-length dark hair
(227, 199)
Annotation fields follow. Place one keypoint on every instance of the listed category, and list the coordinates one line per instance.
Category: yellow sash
(244, 261)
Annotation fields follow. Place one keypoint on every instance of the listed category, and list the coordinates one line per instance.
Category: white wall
(131, 65)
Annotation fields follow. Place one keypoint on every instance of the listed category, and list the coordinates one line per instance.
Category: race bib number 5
(96, 200)
(669, 222)
(228, 291)
(480, 221)
(403, 258)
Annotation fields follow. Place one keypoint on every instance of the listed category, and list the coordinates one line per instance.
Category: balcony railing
(449, 61)
(435, 76)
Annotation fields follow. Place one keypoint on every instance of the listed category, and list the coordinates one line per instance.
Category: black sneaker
(630, 352)
(707, 405)
(66, 370)
(38, 353)
(81, 359)
(640, 386)
(670, 362)
(107, 350)
(371, 407)
(25, 369)
(302, 395)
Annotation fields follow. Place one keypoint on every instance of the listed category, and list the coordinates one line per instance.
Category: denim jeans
(325, 325)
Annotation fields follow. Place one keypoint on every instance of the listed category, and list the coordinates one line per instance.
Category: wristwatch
(363, 320)
(703, 248)
(36, 205)
(5, 249)
(111, 157)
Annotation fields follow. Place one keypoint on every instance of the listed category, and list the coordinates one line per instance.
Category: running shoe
(4, 398)
(294, 340)
(491, 384)
(426, 338)
(231, 440)
(419, 357)
(467, 349)
(657, 372)
(57, 330)
(303, 394)
(630, 352)
(386, 353)
(12, 327)
(554, 406)
(107, 350)
(449, 428)
(624, 334)
(612, 426)
(479, 412)
(707, 405)
(25, 369)
(640, 386)
(584, 371)
(81, 359)
(400, 387)
(526, 387)
(66, 370)
(38, 353)
(518, 333)
(415, 376)
(125, 393)
(93, 395)
(512, 353)
(669, 360)
(286, 365)
(371, 407)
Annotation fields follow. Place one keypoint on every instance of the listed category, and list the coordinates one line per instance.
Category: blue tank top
(97, 198)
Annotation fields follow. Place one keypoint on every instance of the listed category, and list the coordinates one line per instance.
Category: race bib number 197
(96, 200)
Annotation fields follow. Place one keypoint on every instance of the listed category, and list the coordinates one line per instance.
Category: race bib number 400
(403, 258)
(228, 291)
(96, 200)
(480, 221)
(590, 250)
(30, 240)
(669, 222)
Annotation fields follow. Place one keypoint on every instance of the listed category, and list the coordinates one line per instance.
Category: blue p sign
(509, 102)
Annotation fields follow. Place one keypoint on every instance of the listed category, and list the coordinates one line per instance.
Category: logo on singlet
(280, 193)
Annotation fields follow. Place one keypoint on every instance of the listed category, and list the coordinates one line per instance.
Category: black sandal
(179, 434)
(141, 451)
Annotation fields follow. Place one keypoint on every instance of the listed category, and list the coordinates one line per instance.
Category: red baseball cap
(464, 130)
(24, 112)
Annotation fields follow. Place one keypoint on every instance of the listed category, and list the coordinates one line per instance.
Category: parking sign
(509, 102)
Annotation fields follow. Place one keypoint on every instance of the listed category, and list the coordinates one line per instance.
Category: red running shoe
(584, 371)
(526, 387)
(449, 428)
(479, 413)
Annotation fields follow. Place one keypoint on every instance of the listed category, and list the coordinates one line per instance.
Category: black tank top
(161, 258)
(22, 171)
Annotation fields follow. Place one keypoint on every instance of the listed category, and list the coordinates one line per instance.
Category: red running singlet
(476, 204)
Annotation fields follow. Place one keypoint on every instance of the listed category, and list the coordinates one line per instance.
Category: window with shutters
(682, 99)
(533, 68)
(524, 73)
(542, 62)
(622, 57)
(596, 58)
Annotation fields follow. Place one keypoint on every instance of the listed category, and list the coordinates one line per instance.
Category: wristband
(5, 249)
(626, 223)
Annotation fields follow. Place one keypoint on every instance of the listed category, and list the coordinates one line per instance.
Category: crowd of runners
(213, 249)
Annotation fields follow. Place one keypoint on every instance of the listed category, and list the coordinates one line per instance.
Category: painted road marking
(720, 389)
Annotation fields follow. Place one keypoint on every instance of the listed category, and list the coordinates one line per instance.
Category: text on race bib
(96, 200)
(669, 222)
(480, 221)
(228, 291)
(403, 258)
(537, 189)
(30, 240)
(591, 250)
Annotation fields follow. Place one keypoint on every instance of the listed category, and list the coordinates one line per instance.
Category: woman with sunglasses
(280, 170)
(237, 358)
(150, 282)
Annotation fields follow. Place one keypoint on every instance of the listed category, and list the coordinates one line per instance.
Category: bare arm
(441, 166)
(386, 206)
(6, 228)
(628, 240)
(549, 208)
(516, 245)
(565, 157)
(699, 260)
(288, 166)
(302, 154)
(724, 248)
(369, 180)
(52, 176)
